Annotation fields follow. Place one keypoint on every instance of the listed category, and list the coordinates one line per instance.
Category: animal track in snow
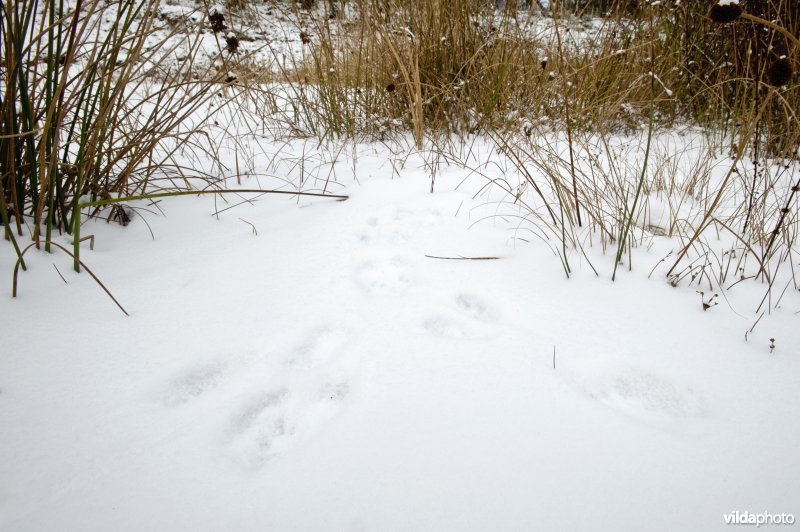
(469, 317)
(254, 409)
(397, 225)
(388, 276)
(270, 424)
(264, 423)
(378, 230)
(193, 383)
(439, 325)
(260, 428)
(335, 391)
(474, 306)
(643, 394)
(321, 346)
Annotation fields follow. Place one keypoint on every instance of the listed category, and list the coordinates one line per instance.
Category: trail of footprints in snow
(270, 421)
(466, 316)
(386, 273)
(389, 274)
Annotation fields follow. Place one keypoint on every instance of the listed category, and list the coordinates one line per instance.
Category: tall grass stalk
(631, 213)
(86, 111)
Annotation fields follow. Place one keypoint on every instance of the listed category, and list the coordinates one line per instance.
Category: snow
(297, 363)
(326, 374)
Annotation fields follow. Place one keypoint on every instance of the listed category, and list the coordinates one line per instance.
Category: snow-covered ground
(311, 364)
(325, 374)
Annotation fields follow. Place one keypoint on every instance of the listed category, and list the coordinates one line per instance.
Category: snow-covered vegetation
(399, 264)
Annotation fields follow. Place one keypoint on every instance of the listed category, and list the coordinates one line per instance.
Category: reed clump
(86, 110)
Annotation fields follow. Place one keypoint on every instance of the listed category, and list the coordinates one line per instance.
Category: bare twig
(462, 258)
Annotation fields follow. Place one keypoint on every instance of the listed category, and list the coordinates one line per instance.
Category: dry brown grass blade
(96, 279)
(744, 140)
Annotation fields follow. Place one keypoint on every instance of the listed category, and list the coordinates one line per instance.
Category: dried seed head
(305, 38)
(69, 170)
(232, 42)
(780, 72)
(724, 14)
(217, 21)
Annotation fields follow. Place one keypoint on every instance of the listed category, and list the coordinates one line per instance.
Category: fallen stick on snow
(462, 258)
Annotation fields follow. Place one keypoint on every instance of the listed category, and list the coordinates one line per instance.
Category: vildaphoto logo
(764, 518)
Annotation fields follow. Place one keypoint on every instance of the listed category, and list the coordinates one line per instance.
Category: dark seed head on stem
(232, 43)
(725, 14)
(217, 21)
(780, 72)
